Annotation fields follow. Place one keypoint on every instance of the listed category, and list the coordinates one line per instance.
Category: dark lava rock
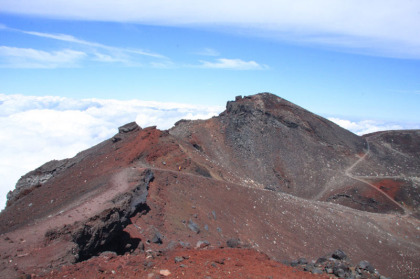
(36, 178)
(128, 127)
(339, 255)
(294, 263)
(115, 139)
(320, 261)
(157, 238)
(329, 270)
(365, 265)
(105, 231)
(316, 271)
(193, 226)
(308, 267)
(338, 266)
(302, 261)
(214, 214)
(233, 242)
(339, 272)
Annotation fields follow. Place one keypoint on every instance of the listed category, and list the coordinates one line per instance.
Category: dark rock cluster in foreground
(338, 264)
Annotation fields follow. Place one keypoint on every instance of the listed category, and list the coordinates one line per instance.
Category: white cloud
(14, 57)
(232, 64)
(379, 27)
(369, 126)
(38, 129)
(72, 39)
(106, 58)
(29, 58)
(32, 58)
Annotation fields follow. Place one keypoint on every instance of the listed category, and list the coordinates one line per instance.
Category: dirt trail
(31, 236)
(361, 179)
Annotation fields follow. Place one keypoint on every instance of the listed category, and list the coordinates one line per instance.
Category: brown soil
(389, 186)
(192, 263)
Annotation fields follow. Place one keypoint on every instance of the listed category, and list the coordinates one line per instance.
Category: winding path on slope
(361, 178)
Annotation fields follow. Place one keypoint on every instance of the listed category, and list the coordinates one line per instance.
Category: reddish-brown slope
(81, 177)
(282, 226)
(228, 176)
(191, 263)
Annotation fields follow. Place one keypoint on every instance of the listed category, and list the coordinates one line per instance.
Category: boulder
(193, 226)
(339, 255)
(233, 242)
(128, 127)
(365, 265)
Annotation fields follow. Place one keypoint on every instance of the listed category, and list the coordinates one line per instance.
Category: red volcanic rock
(214, 263)
(265, 175)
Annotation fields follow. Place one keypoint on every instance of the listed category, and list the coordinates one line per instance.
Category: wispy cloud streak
(31, 58)
(13, 57)
(232, 64)
(375, 27)
(77, 51)
(72, 39)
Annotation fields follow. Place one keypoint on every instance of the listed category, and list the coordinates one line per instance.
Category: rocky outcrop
(128, 127)
(37, 178)
(105, 231)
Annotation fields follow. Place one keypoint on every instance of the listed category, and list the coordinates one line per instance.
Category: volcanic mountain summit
(265, 174)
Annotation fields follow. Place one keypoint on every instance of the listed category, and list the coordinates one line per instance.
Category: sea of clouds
(36, 129)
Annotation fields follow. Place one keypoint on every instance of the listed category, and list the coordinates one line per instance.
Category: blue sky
(209, 62)
(354, 62)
